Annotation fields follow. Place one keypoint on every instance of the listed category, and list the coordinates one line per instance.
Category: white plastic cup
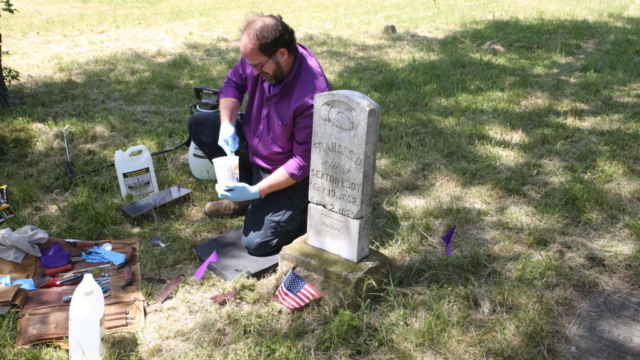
(227, 170)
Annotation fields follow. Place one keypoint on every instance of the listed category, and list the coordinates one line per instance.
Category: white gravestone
(343, 164)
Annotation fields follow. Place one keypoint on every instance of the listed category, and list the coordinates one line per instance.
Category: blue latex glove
(99, 254)
(239, 192)
(228, 139)
(27, 284)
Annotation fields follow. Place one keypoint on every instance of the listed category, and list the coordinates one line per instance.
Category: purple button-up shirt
(278, 120)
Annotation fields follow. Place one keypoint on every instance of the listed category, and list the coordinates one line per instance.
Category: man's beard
(277, 77)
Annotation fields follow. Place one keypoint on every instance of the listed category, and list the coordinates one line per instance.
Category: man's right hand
(228, 139)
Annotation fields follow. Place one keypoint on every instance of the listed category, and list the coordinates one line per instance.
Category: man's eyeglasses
(260, 66)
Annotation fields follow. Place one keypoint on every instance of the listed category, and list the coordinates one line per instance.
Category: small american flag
(295, 292)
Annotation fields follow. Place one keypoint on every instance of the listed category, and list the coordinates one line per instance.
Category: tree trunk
(4, 92)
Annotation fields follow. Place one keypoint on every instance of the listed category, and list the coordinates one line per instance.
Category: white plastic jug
(200, 166)
(86, 321)
(135, 172)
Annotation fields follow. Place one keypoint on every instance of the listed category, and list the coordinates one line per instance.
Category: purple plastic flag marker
(198, 274)
(447, 240)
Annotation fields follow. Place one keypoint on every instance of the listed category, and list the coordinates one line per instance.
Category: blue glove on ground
(27, 284)
(228, 139)
(98, 254)
(239, 192)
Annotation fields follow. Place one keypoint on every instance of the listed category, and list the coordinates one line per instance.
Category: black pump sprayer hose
(67, 167)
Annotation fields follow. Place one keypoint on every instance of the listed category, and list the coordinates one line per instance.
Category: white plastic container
(200, 166)
(135, 172)
(86, 321)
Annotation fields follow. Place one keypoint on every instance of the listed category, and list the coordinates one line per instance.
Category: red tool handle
(58, 270)
(129, 255)
(128, 277)
(48, 282)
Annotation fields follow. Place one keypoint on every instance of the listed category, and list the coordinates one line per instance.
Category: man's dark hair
(272, 34)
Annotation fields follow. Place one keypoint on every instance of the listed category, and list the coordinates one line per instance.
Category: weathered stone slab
(329, 231)
(343, 155)
(343, 163)
(336, 278)
(607, 328)
(233, 259)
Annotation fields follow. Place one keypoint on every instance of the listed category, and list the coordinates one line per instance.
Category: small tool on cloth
(67, 299)
(128, 280)
(87, 244)
(114, 318)
(92, 270)
(81, 243)
(48, 282)
(58, 270)
(116, 324)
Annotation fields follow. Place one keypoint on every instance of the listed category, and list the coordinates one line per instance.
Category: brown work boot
(226, 208)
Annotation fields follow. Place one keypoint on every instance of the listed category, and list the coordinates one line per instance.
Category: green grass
(516, 121)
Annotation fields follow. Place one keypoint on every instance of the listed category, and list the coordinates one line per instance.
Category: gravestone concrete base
(337, 279)
(327, 230)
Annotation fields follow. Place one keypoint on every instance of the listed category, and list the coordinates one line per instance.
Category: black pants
(272, 221)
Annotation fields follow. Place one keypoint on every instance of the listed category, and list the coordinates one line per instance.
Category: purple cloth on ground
(55, 260)
(52, 249)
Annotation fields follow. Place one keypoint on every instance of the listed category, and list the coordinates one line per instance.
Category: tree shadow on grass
(567, 89)
(559, 78)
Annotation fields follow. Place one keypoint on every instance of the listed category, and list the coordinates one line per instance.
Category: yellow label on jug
(138, 182)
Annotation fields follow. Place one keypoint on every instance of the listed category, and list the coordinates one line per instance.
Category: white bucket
(135, 172)
(200, 166)
(86, 321)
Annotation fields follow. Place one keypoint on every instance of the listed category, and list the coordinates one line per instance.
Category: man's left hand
(239, 192)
